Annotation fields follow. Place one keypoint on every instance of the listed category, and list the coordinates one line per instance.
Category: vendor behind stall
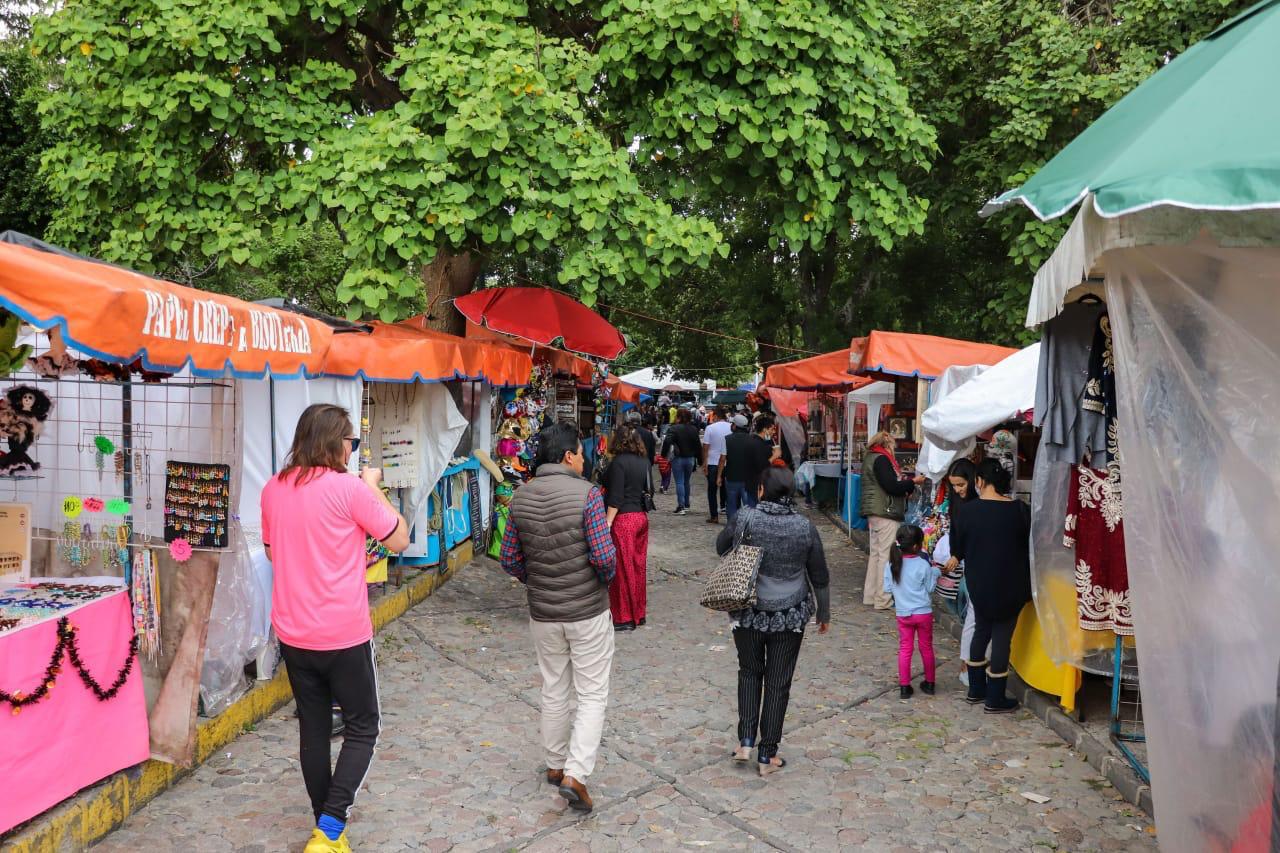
(885, 490)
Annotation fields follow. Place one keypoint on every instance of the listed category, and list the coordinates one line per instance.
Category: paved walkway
(459, 767)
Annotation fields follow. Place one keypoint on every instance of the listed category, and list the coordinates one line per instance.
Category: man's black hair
(557, 440)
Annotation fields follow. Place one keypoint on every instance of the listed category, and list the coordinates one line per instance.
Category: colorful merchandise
(23, 412)
(197, 503)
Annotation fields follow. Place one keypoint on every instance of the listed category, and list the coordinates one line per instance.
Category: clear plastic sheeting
(1198, 357)
(238, 631)
(1053, 576)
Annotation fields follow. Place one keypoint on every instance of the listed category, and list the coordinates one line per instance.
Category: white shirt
(713, 437)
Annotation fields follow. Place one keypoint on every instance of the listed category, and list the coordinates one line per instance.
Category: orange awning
(623, 392)
(119, 315)
(828, 372)
(789, 404)
(562, 362)
(889, 354)
(410, 352)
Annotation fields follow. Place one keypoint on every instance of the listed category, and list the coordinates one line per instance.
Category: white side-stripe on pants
(575, 659)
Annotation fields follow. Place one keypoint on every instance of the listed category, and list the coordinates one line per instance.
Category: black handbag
(646, 500)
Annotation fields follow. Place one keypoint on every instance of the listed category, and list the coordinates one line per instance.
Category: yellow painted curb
(88, 816)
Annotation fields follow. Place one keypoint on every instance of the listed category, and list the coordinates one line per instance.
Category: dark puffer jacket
(562, 584)
(793, 554)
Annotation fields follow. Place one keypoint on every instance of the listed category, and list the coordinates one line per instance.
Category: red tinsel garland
(68, 644)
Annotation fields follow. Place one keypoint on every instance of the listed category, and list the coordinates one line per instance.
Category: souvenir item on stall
(376, 561)
(1069, 430)
(144, 591)
(1095, 531)
(502, 495)
(107, 371)
(400, 459)
(12, 356)
(23, 412)
(15, 542)
(73, 544)
(1100, 388)
(197, 501)
(1003, 447)
(477, 522)
(30, 603)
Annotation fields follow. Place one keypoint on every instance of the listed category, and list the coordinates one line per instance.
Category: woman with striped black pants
(791, 588)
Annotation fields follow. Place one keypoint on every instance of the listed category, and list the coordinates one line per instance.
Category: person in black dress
(992, 536)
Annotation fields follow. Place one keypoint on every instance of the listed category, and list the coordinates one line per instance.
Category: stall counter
(70, 739)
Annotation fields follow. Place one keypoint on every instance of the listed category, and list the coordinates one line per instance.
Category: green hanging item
(12, 357)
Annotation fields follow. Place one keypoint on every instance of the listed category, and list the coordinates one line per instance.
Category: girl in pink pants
(911, 577)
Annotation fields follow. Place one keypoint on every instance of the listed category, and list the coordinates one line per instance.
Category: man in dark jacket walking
(557, 544)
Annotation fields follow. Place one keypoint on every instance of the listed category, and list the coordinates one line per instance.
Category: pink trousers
(909, 628)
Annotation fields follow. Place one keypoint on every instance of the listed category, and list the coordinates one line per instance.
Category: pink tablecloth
(70, 739)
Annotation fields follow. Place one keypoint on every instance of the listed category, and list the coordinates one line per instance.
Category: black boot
(997, 701)
(977, 683)
(927, 688)
(905, 691)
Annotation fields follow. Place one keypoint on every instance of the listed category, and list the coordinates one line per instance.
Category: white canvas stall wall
(240, 619)
(477, 405)
(1198, 356)
(435, 424)
(874, 396)
(794, 435)
(933, 461)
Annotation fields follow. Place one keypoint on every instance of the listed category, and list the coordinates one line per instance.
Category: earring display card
(197, 503)
(400, 457)
(477, 527)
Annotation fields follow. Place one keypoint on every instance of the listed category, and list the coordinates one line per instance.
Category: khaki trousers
(884, 532)
(575, 659)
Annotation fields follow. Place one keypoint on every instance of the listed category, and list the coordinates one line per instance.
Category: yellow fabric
(377, 573)
(1028, 658)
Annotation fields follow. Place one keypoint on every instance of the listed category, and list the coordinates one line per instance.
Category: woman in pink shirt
(315, 517)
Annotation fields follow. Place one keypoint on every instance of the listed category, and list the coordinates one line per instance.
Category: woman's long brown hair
(626, 439)
(317, 443)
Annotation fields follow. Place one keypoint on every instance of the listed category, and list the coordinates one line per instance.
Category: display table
(69, 739)
(1029, 660)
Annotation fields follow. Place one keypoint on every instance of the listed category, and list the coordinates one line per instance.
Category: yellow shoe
(320, 843)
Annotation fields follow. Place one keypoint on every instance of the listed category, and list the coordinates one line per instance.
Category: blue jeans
(683, 467)
(735, 498)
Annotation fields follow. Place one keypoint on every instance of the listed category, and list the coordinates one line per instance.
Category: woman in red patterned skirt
(627, 484)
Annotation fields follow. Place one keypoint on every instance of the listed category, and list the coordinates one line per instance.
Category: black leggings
(766, 664)
(999, 634)
(349, 677)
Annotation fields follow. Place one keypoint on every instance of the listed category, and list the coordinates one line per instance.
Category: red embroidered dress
(1095, 530)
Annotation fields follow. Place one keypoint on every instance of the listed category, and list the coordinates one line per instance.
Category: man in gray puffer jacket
(557, 544)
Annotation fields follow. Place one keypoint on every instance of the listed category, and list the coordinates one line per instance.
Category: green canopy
(1203, 132)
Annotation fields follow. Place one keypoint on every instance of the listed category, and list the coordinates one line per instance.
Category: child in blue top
(911, 577)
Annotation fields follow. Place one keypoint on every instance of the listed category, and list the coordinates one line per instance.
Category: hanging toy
(12, 357)
(103, 447)
(23, 411)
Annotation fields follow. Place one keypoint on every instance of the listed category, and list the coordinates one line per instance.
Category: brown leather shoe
(576, 794)
(555, 777)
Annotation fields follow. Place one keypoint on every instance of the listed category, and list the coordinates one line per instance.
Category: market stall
(827, 418)
(1178, 235)
(1000, 399)
(120, 419)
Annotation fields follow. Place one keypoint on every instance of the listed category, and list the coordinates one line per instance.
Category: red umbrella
(543, 316)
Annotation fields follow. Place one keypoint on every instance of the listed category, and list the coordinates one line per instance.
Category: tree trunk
(817, 272)
(444, 279)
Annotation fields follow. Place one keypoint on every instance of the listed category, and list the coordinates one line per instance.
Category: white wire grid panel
(147, 424)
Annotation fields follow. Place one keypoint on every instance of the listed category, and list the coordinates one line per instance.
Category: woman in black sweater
(992, 536)
(627, 483)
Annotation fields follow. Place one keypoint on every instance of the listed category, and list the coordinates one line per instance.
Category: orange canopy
(562, 362)
(828, 372)
(411, 352)
(119, 315)
(623, 392)
(789, 404)
(889, 354)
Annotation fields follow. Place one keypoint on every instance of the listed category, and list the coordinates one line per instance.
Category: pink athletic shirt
(316, 532)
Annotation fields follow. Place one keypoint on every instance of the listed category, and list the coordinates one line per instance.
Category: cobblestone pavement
(458, 767)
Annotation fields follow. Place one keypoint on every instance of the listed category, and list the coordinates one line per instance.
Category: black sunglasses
(355, 443)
